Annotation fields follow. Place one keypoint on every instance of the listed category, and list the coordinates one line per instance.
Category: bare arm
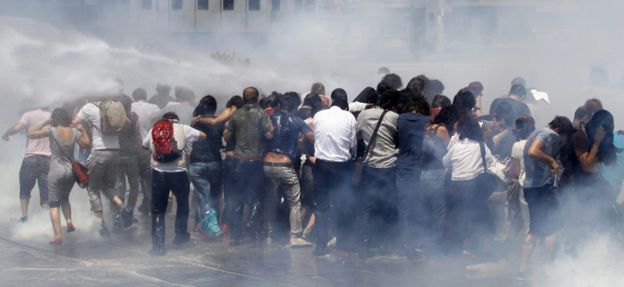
(40, 131)
(309, 136)
(19, 126)
(587, 158)
(227, 135)
(202, 136)
(443, 134)
(222, 118)
(514, 169)
(269, 134)
(84, 141)
(536, 151)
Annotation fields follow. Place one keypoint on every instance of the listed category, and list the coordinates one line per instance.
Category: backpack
(112, 117)
(165, 145)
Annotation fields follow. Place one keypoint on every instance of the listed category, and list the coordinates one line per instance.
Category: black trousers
(334, 201)
(379, 206)
(162, 184)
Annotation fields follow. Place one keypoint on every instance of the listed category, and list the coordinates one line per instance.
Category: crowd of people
(398, 170)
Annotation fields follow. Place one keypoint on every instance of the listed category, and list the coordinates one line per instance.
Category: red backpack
(165, 144)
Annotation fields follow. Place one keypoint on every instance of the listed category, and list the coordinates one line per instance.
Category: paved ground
(85, 260)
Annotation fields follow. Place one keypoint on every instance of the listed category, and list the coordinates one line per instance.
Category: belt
(280, 164)
(248, 158)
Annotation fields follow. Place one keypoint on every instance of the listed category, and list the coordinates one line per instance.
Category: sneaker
(70, 228)
(157, 250)
(297, 242)
(104, 232)
(332, 242)
(57, 241)
(23, 219)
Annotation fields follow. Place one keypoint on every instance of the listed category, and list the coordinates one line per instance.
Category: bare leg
(310, 225)
(24, 205)
(66, 207)
(117, 202)
(55, 217)
(527, 249)
(550, 246)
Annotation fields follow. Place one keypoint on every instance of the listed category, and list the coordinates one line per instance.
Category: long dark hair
(447, 117)
(604, 119)
(60, 117)
(468, 127)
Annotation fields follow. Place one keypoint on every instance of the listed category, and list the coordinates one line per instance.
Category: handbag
(81, 172)
(208, 228)
(358, 170)
(487, 181)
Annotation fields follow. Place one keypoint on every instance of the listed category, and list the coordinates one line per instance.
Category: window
(146, 4)
(254, 4)
(202, 4)
(176, 4)
(276, 5)
(228, 4)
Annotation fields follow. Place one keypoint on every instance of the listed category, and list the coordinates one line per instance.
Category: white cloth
(184, 136)
(31, 120)
(145, 111)
(357, 107)
(334, 135)
(465, 161)
(517, 152)
(90, 114)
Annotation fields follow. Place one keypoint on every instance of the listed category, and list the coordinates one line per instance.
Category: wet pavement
(123, 260)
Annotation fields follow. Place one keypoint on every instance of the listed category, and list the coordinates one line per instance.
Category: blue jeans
(206, 178)
(432, 197)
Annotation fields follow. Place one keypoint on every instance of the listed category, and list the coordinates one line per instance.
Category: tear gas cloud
(48, 57)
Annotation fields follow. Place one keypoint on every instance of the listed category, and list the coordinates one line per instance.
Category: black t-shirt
(129, 138)
(208, 150)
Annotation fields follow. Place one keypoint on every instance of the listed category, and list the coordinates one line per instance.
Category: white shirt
(465, 161)
(90, 114)
(517, 152)
(334, 135)
(145, 111)
(184, 136)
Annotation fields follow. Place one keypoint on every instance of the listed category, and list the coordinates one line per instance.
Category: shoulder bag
(359, 164)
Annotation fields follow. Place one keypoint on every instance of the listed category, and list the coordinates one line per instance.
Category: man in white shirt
(335, 143)
(34, 167)
(103, 165)
(171, 176)
(145, 111)
(183, 105)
